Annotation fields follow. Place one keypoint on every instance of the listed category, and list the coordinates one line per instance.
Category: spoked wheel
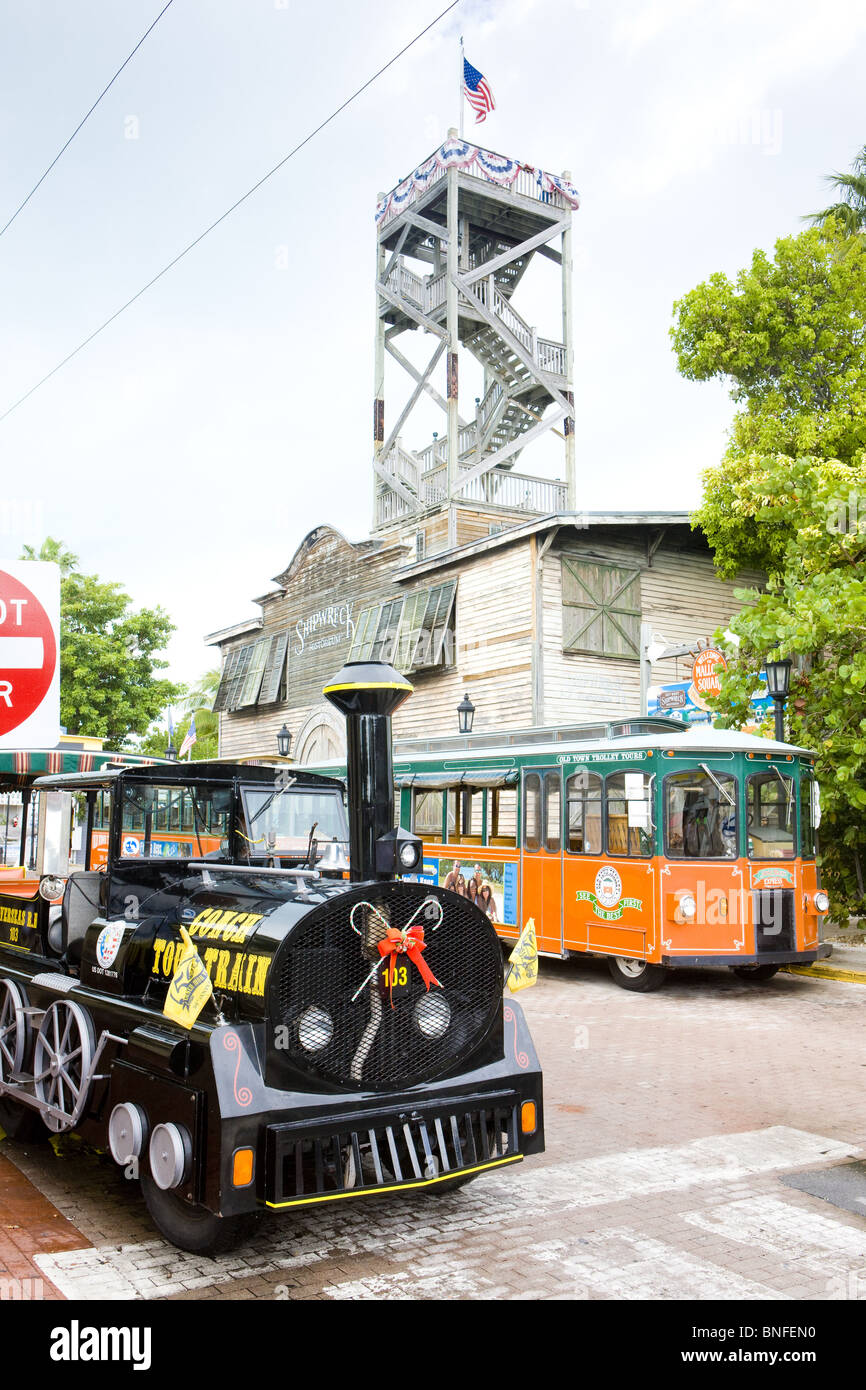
(14, 1030)
(194, 1228)
(16, 1120)
(636, 974)
(755, 972)
(61, 1061)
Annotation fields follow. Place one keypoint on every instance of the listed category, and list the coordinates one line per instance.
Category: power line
(250, 191)
(85, 118)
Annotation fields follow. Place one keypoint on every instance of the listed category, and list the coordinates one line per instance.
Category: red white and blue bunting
(471, 159)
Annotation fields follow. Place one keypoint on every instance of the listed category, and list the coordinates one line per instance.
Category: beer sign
(29, 654)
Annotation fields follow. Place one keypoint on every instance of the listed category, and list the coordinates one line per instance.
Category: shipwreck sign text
(333, 622)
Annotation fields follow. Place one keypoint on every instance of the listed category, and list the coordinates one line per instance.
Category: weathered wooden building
(476, 579)
(540, 624)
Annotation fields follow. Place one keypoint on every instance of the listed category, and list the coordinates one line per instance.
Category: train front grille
(353, 1154)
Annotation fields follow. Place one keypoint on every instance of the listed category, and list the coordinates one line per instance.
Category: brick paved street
(672, 1120)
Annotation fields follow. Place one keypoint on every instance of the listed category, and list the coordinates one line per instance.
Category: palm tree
(202, 695)
(851, 209)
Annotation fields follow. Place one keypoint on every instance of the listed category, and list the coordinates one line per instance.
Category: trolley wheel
(636, 974)
(194, 1228)
(21, 1122)
(755, 972)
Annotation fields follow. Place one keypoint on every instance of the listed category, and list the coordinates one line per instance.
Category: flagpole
(461, 86)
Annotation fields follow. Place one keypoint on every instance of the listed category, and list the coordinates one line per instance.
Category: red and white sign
(710, 664)
(29, 654)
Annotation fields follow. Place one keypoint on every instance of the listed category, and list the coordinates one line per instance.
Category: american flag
(189, 740)
(477, 92)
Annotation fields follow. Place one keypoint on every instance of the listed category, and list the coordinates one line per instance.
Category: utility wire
(250, 191)
(85, 118)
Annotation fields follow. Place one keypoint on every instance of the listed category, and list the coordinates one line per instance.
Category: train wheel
(636, 974)
(755, 972)
(194, 1228)
(14, 1030)
(61, 1061)
(16, 1120)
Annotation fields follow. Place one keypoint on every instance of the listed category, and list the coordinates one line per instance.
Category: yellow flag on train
(190, 987)
(523, 961)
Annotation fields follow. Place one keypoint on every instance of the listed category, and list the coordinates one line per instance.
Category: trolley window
(532, 812)
(553, 812)
(771, 816)
(629, 814)
(583, 800)
(502, 827)
(700, 815)
(465, 815)
(810, 816)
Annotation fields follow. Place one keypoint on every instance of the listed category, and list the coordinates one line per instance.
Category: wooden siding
(493, 650)
(496, 643)
(333, 574)
(681, 596)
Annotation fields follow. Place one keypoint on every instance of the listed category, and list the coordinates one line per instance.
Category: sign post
(29, 654)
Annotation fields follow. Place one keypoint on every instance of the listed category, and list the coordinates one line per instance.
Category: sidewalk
(29, 1225)
(846, 963)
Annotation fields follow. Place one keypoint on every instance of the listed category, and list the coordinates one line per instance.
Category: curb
(826, 972)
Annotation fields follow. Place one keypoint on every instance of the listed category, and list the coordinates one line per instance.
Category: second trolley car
(644, 840)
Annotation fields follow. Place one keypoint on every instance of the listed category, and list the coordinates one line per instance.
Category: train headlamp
(822, 902)
(432, 1014)
(315, 1029)
(409, 855)
(398, 852)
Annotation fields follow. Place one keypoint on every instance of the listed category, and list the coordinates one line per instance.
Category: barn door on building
(601, 608)
(541, 855)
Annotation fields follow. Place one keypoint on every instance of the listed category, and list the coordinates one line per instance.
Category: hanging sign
(710, 665)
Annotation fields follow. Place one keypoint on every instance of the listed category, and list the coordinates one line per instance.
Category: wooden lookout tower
(454, 241)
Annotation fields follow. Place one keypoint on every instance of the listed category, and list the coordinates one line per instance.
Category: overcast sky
(188, 450)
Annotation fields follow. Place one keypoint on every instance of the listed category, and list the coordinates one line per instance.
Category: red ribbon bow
(410, 943)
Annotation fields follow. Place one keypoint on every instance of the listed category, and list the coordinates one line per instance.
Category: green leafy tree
(850, 210)
(789, 335)
(789, 498)
(109, 686)
(814, 610)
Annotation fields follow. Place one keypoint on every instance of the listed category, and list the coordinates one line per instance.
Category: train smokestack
(367, 693)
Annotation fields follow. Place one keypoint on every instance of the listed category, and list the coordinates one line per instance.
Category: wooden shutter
(248, 692)
(601, 608)
(229, 668)
(274, 667)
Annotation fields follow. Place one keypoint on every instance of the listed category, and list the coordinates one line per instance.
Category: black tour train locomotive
(356, 1041)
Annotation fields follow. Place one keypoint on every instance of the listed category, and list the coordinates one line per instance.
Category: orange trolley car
(655, 844)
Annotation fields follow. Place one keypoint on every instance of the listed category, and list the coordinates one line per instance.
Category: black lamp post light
(171, 753)
(465, 715)
(284, 741)
(778, 685)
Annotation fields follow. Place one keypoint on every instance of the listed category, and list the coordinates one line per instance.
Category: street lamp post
(778, 685)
